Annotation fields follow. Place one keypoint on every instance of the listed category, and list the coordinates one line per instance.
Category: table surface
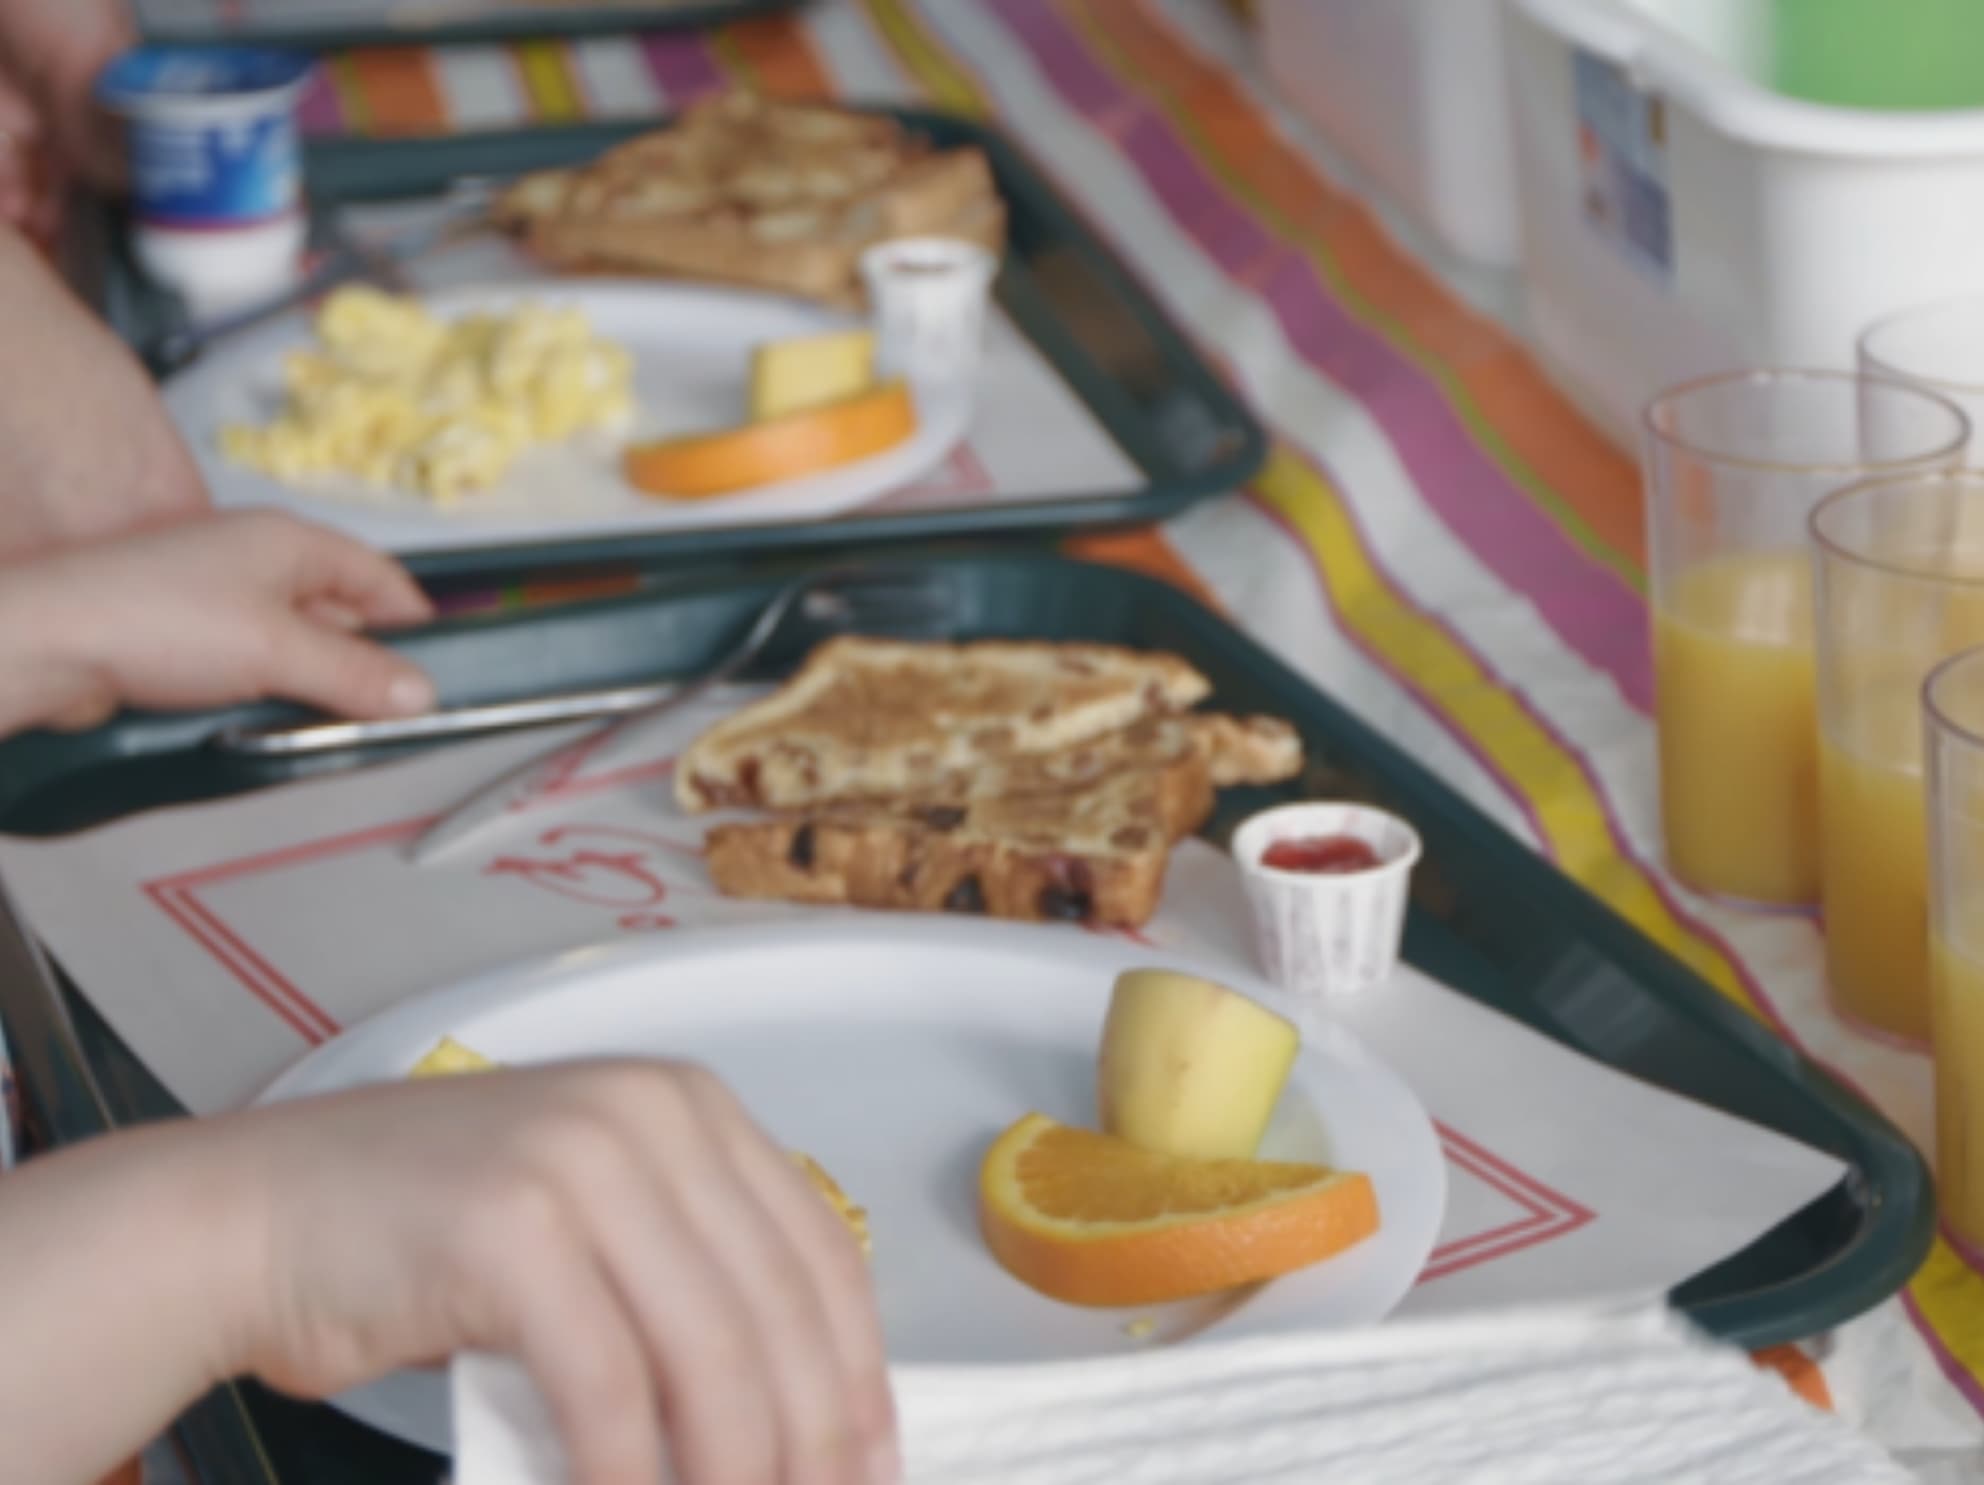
(1438, 538)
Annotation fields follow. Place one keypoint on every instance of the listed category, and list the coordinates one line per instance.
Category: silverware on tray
(802, 614)
(461, 721)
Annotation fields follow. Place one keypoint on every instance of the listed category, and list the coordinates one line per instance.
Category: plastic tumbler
(1733, 466)
(1900, 567)
(1953, 727)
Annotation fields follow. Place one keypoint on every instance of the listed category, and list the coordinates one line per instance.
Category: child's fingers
(575, 1339)
(328, 566)
(334, 613)
(822, 1257)
(341, 673)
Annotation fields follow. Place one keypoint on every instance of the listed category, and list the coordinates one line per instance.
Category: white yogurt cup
(216, 183)
(1328, 935)
(928, 298)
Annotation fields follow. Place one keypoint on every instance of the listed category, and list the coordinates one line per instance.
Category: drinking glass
(1734, 465)
(1938, 347)
(1953, 723)
(1900, 566)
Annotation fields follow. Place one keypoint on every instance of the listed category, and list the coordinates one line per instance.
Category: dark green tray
(306, 32)
(1172, 415)
(1489, 917)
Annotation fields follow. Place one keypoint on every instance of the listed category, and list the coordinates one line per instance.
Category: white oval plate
(893, 1050)
(692, 351)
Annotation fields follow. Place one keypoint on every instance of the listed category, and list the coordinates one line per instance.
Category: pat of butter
(450, 1056)
(791, 376)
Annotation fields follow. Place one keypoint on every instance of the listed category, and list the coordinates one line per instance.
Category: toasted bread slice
(1233, 750)
(888, 719)
(1094, 852)
(1246, 750)
(768, 195)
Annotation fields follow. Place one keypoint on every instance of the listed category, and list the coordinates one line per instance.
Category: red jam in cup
(1321, 855)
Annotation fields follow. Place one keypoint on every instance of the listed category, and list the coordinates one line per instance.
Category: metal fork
(807, 610)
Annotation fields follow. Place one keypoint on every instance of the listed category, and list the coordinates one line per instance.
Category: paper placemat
(224, 940)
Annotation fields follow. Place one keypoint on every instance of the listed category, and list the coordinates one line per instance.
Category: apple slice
(1190, 1068)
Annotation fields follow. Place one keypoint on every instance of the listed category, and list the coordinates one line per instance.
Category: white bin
(1679, 217)
(1411, 91)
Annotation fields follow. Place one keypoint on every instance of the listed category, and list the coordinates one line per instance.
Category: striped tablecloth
(1438, 538)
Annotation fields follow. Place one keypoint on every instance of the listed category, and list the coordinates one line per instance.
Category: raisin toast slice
(1084, 834)
(1092, 853)
(743, 190)
(893, 719)
(1234, 750)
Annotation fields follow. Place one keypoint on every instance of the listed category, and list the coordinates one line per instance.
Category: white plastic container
(216, 179)
(1412, 92)
(1679, 217)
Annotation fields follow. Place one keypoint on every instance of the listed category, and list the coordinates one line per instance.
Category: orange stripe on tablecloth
(1538, 425)
(391, 90)
(1144, 550)
(775, 54)
(1800, 1371)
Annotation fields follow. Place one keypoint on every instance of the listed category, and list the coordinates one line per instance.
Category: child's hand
(202, 614)
(53, 50)
(623, 1228)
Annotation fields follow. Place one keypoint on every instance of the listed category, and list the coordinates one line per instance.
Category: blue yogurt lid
(150, 75)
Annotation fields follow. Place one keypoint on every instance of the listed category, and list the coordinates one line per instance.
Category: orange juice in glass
(1953, 723)
(1900, 572)
(1733, 466)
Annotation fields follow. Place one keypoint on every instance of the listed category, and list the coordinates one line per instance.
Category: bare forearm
(117, 1262)
(43, 674)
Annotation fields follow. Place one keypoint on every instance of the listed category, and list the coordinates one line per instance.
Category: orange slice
(790, 447)
(1093, 1220)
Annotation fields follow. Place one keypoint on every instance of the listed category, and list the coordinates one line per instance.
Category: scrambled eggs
(399, 399)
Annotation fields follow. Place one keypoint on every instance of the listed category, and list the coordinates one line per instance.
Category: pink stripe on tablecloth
(1590, 608)
(318, 110)
(683, 65)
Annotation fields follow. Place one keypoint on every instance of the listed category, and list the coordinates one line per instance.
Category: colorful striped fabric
(1438, 537)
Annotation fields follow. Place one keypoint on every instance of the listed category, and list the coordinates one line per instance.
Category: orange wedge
(790, 447)
(1093, 1220)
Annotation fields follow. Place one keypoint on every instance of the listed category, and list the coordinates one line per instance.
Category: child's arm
(86, 448)
(669, 1276)
(205, 613)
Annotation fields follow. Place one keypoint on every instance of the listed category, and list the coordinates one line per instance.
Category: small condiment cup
(928, 297)
(216, 183)
(1328, 935)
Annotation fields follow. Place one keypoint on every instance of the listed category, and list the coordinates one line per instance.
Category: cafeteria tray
(1185, 431)
(336, 25)
(1489, 917)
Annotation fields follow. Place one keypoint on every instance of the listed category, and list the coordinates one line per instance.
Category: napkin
(1530, 1397)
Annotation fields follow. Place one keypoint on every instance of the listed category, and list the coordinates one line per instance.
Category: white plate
(691, 347)
(893, 1050)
